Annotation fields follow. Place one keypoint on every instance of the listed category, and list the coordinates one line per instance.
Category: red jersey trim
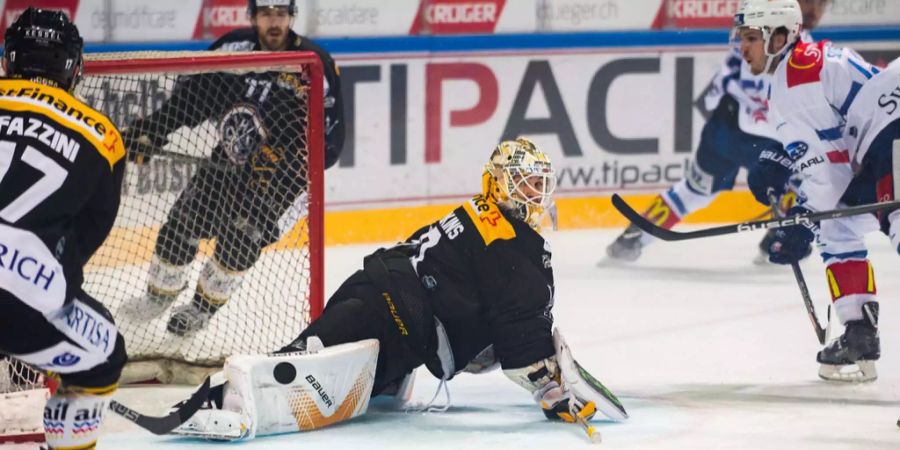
(805, 64)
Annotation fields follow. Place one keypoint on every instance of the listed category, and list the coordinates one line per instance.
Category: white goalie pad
(576, 379)
(273, 394)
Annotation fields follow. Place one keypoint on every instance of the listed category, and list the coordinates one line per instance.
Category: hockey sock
(73, 416)
(852, 283)
(166, 278)
(216, 285)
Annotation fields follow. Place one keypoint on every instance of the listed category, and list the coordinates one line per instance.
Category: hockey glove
(559, 403)
(770, 175)
(791, 244)
(141, 145)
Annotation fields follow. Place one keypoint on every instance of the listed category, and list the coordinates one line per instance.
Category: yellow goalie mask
(520, 178)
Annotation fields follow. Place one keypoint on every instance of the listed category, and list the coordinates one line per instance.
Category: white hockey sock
(166, 279)
(216, 283)
(73, 416)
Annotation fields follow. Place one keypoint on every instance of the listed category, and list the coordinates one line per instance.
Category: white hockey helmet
(768, 16)
(521, 178)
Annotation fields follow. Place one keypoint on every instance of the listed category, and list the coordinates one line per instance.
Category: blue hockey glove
(791, 244)
(770, 175)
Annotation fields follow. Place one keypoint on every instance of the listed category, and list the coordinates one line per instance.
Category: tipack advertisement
(418, 129)
(612, 120)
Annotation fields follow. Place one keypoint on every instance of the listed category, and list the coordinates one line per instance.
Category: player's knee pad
(852, 284)
(217, 284)
(238, 248)
(73, 416)
(174, 245)
(272, 394)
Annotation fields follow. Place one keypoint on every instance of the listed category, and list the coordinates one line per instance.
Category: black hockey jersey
(61, 170)
(489, 281)
(246, 39)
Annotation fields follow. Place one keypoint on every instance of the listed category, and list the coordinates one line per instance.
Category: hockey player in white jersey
(737, 131)
(813, 87)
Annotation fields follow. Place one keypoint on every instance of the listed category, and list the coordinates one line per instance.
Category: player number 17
(53, 177)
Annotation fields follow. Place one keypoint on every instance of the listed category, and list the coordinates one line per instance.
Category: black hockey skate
(852, 356)
(626, 247)
(191, 318)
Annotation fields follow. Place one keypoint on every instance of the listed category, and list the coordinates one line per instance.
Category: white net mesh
(228, 179)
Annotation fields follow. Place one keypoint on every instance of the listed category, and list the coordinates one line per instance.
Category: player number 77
(53, 178)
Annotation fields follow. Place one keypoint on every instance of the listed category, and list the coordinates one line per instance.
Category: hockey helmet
(44, 44)
(520, 178)
(254, 5)
(768, 16)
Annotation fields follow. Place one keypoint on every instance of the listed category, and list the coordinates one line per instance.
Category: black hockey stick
(163, 425)
(669, 235)
(801, 281)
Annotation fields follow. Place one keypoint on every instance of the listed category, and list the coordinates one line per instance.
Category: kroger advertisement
(178, 20)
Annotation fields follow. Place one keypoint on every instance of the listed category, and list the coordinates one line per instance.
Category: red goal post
(22, 390)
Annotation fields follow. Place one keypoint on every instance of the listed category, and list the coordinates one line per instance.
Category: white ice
(705, 350)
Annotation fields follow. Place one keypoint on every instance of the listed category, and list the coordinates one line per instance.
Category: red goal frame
(186, 63)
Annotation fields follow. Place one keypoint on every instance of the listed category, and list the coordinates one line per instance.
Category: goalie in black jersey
(470, 292)
(252, 190)
(61, 171)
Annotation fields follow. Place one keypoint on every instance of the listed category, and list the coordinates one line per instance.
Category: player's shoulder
(489, 222)
(302, 43)
(805, 63)
(240, 39)
(67, 111)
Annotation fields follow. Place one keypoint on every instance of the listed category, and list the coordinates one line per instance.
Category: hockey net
(282, 291)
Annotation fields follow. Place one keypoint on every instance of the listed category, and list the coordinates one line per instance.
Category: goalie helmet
(768, 16)
(44, 44)
(520, 178)
(254, 5)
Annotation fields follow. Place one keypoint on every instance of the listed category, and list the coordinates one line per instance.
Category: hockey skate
(626, 247)
(148, 306)
(852, 356)
(189, 319)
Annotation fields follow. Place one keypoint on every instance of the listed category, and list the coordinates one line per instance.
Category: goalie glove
(559, 403)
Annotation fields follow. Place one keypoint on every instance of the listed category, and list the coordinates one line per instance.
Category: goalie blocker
(471, 292)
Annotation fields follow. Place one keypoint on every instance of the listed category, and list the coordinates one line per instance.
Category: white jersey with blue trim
(812, 91)
(876, 106)
(751, 92)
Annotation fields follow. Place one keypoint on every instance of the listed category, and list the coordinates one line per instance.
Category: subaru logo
(65, 360)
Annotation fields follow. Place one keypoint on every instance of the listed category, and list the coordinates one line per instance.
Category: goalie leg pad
(273, 394)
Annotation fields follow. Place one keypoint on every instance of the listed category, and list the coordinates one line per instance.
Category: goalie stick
(669, 235)
(801, 282)
(165, 424)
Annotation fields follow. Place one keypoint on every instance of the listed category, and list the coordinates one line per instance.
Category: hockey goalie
(470, 292)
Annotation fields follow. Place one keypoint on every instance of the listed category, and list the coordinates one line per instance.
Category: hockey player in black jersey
(250, 192)
(470, 292)
(61, 169)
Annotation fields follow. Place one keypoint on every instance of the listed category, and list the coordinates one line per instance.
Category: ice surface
(705, 350)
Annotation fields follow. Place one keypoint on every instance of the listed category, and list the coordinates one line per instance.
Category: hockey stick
(801, 282)
(669, 235)
(165, 424)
